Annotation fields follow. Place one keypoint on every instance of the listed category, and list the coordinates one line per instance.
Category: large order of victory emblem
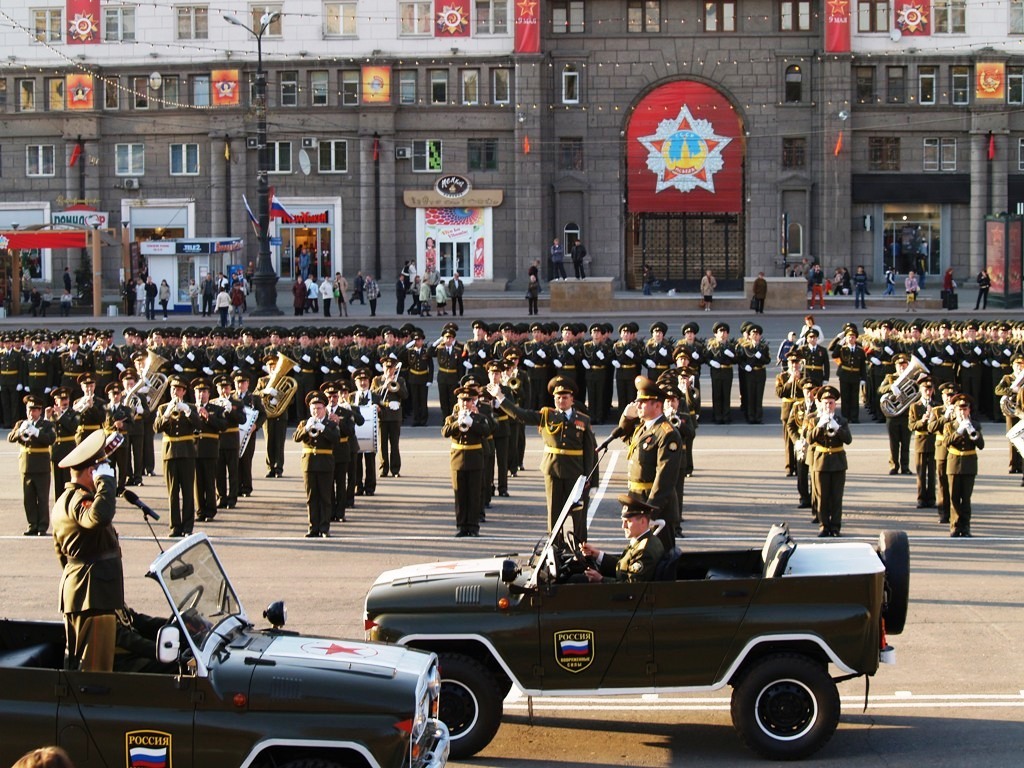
(685, 153)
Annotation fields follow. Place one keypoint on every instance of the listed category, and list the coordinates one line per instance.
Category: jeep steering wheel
(191, 599)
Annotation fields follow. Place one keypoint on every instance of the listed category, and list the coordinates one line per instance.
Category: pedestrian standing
(426, 298)
(984, 283)
(579, 260)
(165, 296)
(441, 298)
(193, 295)
(237, 303)
(358, 289)
(372, 292)
(911, 286)
(223, 305)
(299, 297)
(400, 289)
(209, 291)
(557, 257)
(341, 293)
(456, 288)
(708, 283)
(759, 292)
(860, 288)
(948, 290)
(140, 297)
(326, 294)
(532, 294)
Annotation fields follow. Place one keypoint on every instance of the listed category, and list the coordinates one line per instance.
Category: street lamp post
(264, 278)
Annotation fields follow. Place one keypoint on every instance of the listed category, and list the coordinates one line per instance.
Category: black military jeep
(782, 625)
(233, 696)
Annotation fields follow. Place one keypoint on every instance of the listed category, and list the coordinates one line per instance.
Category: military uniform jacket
(657, 355)
(756, 356)
(467, 452)
(333, 361)
(654, 456)
(234, 417)
(917, 419)
(569, 446)
(65, 427)
(637, 563)
(971, 356)
(449, 359)
(208, 433)
(800, 415)
(537, 358)
(114, 413)
(475, 355)
(421, 364)
(35, 451)
(88, 548)
(826, 451)
(395, 393)
(221, 360)
(720, 356)
(108, 365)
(942, 354)
(346, 420)
(852, 363)
(815, 363)
(189, 361)
(74, 366)
(307, 362)
(937, 420)
(596, 356)
(628, 355)
(38, 371)
(92, 418)
(318, 450)
(694, 352)
(179, 429)
(962, 451)
(789, 389)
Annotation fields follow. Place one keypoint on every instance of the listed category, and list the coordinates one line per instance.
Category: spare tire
(894, 550)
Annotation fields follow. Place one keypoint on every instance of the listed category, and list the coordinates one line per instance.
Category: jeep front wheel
(785, 707)
(471, 704)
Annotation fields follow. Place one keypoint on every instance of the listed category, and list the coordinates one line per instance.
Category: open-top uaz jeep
(772, 622)
(234, 696)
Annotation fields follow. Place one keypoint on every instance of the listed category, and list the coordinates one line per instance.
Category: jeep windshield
(199, 592)
(561, 536)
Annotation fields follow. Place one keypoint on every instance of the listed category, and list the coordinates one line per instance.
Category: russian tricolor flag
(575, 647)
(277, 209)
(141, 757)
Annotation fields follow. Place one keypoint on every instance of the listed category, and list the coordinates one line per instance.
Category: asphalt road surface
(955, 697)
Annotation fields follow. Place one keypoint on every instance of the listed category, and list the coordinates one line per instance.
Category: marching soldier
(243, 383)
(1010, 386)
(419, 377)
(117, 416)
(307, 365)
(826, 438)
(34, 435)
(537, 364)
(721, 357)
(520, 385)
(802, 414)
(657, 351)
(971, 358)
(90, 408)
(788, 388)
(190, 358)
(938, 418)
(815, 357)
(627, 353)
(178, 422)
(346, 418)
(597, 356)
(318, 436)
(274, 427)
(898, 425)
(212, 421)
(918, 416)
(851, 369)
(943, 355)
(963, 440)
(37, 369)
(467, 430)
(679, 417)
(448, 352)
(228, 481)
(65, 425)
(392, 392)
(136, 428)
(74, 363)
(569, 447)
(566, 356)
(363, 472)
(477, 351)
(106, 360)
(501, 433)
(754, 357)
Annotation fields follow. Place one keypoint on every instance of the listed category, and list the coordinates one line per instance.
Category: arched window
(794, 84)
(795, 240)
(570, 236)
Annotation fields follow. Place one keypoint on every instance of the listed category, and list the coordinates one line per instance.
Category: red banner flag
(81, 94)
(83, 19)
(527, 26)
(225, 87)
(451, 18)
(913, 18)
(837, 26)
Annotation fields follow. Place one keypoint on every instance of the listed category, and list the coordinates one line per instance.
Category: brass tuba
(904, 391)
(286, 386)
(1008, 403)
(152, 381)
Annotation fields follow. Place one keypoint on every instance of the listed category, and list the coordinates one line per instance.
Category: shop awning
(59, 238)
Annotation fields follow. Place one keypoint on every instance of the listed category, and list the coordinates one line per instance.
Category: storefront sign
(452, 186)
(80, 218)
(477, 198)
(192, 247)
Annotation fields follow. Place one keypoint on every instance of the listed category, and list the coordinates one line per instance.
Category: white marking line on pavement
(595, 500)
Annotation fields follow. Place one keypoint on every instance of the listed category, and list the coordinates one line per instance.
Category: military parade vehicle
(232, 695)
(781, 625)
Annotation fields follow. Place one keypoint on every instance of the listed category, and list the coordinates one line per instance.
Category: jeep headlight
(434, 688)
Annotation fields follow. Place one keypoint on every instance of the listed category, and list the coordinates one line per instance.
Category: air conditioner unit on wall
(309, 142)
(131, 183)
(403, 153)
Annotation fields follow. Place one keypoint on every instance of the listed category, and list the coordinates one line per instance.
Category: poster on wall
(837, 26)
(451, 18)
(461, 235)
(685, 152)
(1015, 260)
(995, 255)
(83, 26)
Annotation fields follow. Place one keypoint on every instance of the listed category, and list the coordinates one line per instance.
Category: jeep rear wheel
(894, 549)
(471, 704)
(785, 707)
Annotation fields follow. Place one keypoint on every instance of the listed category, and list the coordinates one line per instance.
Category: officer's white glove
(351, 369)
(482, 354)
(714, 364)
(120, 367)
(599, 355)
(364, 358)
(143, 389)
(467, 365)
(394, 405)
(876, 361)
(888, 349)
(966, 363)
(748, 368)
(949, 349)
(977, 350)
(571, 350)
(542, 354)
(630, 354)
(616, 364)
(272, 391)
(249, 360)
(178, 368)
(46, 390)
(937, 360)
(410, 345)
(185, 408)
(529, 363)
(208, 370)
(31, 431)
(586, 364)
(557, 363)
(663, 352)
(730, 353)
(630, 411)
(649, 363)
(325, 369)
(191, 356)
(139, 409)
(103, 469)
(20, 387)
(337, 360)
(221, 360)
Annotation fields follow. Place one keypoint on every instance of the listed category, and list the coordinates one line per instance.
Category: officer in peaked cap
(34, 435)
(318, 436)
(639, 561)
(92, 585)
(828, 434)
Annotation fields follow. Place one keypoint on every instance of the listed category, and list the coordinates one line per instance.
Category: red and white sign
(527, 26)
(837, 26)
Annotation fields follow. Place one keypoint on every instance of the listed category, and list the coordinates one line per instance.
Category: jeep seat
(39, 655)
(778, 548)
(667, 568)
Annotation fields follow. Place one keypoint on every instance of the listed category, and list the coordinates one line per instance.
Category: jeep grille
(468, 595)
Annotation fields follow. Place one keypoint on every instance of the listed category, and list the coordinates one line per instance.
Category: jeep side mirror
(168, 644)
(510, 571)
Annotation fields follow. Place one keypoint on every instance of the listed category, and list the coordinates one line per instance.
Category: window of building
(926, 84)
(3, 93)
(1020, 154)
(794, 153)
(1016, 17)
(884, 153)
(26, 95)
(333, 156)
(426, 156)
(873, 16)
(118, 23)
(896, 85)
(1015, 85)
(939, 154)
(439, 86)
(280, 156)
(566, 16)
(643, 16)
(407, 86)
(864, 84)
(570, 85)
(501, 86)
(39, 160)
(193, 22)
(201, 90)
(318, 88)
(470, 86)
(350, 88)
(794, 84)
(289, 88)
(415, 17)
(55, 94)
(111, 92)
(720, 16)
(492, 17)
(129, 159)
(949, 17)
(256, 13)
(140, 92)
(482, 154)
(340, 18)
(184, 159)
(795, 15)
(49, 27)
(171, 91)
(961, 85)
(570, 154)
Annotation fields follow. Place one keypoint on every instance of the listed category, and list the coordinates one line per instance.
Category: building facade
(464, 136)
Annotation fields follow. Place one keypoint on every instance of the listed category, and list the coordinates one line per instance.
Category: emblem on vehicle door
(147, 749)
(574, 649)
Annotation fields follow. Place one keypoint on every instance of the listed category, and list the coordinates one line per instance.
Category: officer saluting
(35, 435)
(92, 586)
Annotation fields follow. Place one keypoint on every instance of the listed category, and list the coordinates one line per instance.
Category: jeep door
(107, 718)
(595, 636)
(695, 622)
(28, 710)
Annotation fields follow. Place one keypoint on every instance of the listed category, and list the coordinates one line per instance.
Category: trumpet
(83, 404)
(967, 428)
(465, 419)
(391, 383)
(315, 426)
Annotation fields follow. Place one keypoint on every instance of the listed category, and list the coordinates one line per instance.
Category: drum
(1016, 436)
(366, 433)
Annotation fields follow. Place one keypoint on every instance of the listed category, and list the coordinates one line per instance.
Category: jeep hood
(411, 574)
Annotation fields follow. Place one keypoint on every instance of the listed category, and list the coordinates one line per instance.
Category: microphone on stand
(133, 498)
